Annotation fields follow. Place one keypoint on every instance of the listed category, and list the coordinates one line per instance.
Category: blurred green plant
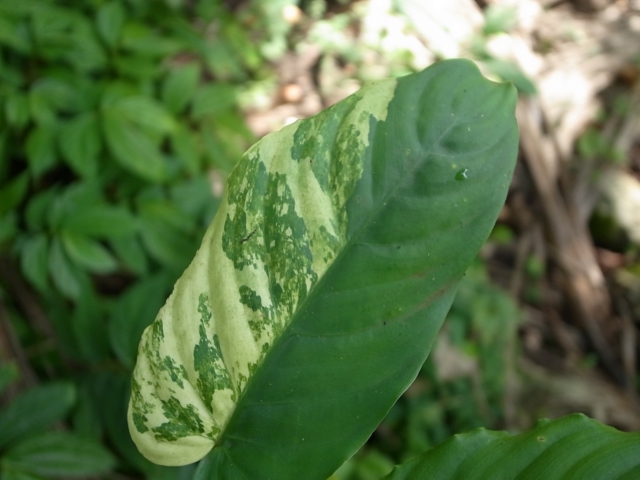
(111, 114)
(481, 328)
(109, 119)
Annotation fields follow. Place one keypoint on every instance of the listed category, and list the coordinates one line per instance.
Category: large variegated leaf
(571, 448)
(321, 284)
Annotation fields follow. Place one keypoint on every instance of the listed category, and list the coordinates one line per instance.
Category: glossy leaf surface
(321, 284)
(573, 447)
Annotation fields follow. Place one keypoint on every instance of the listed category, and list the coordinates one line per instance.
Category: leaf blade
(179, 86)
(60, 454)
(80, 144)
(34, 260)
(321, 306)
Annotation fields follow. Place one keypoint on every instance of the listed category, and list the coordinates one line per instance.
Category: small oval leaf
(110, 18)
(80, 144)
(104, 221)
(132, 147)
(34, 260)
(88, 253)
(40, 149)
(179, 86)
(65, 275)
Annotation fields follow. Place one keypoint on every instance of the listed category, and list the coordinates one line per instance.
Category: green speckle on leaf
(177, 373)
(183, 421)
(203, 309)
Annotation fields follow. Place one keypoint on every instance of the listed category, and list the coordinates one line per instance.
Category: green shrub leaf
(64, 274)
(59, 454)
(167, 233)
(110, 19)
(130, 251)
(183, 142)
(8, 374)
(80, 144)
(51, 27)
(166, 244)
(38, 209)
(86, 418)
(213, 99)
(35, 410)
(88, 253)
(89, 326)
(9, 473)
(8, 227)
(573, 447)
(141, 39)
(50, 94)
(324, 278)
(146, 113)
(12, 36)
(34, 259)
(193, 197)
(16, 110)
(103, 221)
(179, 86)
(13, 192)
(133, 148)
(41, 149)
(72, 200)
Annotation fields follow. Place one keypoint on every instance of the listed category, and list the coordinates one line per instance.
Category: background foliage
(119, 122)
(112, 113)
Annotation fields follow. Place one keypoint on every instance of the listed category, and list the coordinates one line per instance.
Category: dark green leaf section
(358, 339)
(573, 447)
